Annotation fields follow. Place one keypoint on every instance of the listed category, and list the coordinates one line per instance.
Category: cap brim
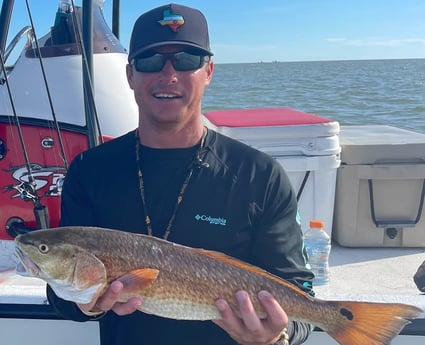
(163, 43)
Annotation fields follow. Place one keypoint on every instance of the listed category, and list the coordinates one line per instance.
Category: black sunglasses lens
(187, 62)
(182, 61)
(149, 64)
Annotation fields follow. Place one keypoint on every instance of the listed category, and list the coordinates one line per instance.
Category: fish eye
(43, 248)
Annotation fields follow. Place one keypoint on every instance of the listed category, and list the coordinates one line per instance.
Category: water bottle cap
(317, 224)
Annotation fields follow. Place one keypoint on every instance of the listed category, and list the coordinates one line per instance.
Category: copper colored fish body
(180, 282)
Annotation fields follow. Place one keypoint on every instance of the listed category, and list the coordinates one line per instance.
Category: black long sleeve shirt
(240, 202)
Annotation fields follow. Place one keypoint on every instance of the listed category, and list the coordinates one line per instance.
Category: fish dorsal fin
(251, 268)
(137, 280)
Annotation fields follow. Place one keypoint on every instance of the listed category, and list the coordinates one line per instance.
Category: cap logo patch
(174, 21)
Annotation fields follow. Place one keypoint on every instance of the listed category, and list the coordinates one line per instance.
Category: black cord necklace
(179, 196)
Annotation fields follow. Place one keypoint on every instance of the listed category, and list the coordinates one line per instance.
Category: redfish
(180, 282)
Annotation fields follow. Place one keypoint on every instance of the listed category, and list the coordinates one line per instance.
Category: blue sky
(282, 30)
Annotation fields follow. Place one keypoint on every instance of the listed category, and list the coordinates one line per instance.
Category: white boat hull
(48, 332)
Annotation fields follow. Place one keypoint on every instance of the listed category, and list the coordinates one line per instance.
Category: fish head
(73, 272)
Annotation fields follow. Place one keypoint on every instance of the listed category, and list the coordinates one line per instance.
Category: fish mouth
(26, 267)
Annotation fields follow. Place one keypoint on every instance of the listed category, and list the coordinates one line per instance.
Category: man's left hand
(249, 329)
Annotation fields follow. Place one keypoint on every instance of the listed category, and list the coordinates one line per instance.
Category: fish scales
(180, 282)
(191, 275)
(196, 278)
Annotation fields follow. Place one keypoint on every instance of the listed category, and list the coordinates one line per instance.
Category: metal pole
(5, 15)
(88, 80)
(116, 18)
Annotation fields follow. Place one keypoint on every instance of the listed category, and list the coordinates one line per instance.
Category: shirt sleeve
(75, 210)
(67, 309)
(76, 204)
(278, 244)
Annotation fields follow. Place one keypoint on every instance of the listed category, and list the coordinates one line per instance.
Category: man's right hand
(109, 301)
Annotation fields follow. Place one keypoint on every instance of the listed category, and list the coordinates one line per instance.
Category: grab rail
(27, 30)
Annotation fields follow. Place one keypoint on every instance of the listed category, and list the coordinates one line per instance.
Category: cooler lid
(381, 144)
(261, 123)
(263, 117)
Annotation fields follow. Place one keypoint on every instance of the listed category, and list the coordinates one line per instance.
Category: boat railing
(25, 31)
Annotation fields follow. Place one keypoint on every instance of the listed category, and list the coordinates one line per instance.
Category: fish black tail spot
(348, 314)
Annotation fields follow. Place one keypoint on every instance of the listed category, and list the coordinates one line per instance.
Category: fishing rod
(28, 189)
(46, 84)
(71, 20)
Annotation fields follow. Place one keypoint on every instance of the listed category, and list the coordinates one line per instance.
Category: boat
(57, 99)
(45, 122)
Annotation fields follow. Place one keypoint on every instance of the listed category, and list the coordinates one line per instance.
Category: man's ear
(129, 71)
(210, 72)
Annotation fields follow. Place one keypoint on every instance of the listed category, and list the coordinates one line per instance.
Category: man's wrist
(283, 338)
(93, 314)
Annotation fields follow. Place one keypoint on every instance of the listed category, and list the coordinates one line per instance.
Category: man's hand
(249, 329)
(109, 301)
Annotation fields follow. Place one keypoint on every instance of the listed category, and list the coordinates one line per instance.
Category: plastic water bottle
(318, 246)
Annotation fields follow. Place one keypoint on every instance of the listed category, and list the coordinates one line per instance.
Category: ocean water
(390, 92)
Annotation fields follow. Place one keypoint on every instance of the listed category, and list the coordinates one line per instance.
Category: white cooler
(306, 145)
(380, 188)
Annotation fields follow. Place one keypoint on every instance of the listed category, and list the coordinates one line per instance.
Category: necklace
(180, 194)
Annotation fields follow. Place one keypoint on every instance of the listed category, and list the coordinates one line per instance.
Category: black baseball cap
(170, 24)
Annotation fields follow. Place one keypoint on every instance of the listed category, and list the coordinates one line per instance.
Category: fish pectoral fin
(87, 282)
(138, 279)
(88, 271)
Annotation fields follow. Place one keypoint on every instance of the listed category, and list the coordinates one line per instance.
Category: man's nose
(169, 71)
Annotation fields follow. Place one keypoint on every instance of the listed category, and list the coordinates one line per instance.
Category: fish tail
(365, 323)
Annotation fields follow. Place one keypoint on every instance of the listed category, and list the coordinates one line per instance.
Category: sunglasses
(181, 61)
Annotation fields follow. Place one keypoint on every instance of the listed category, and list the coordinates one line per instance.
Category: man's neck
(171, 137)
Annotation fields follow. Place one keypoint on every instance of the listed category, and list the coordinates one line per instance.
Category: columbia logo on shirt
(211, 220)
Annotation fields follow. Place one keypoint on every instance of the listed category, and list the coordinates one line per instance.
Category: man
(174, 178)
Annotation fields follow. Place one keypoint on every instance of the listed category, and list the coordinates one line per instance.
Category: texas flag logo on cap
(174, 21)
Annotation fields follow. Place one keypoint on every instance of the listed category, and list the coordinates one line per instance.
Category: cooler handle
(303, 183)
(395, 223)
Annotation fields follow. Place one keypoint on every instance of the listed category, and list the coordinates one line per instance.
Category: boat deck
(374, 274)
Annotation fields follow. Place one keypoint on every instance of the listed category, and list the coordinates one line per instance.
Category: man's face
(169, 97)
